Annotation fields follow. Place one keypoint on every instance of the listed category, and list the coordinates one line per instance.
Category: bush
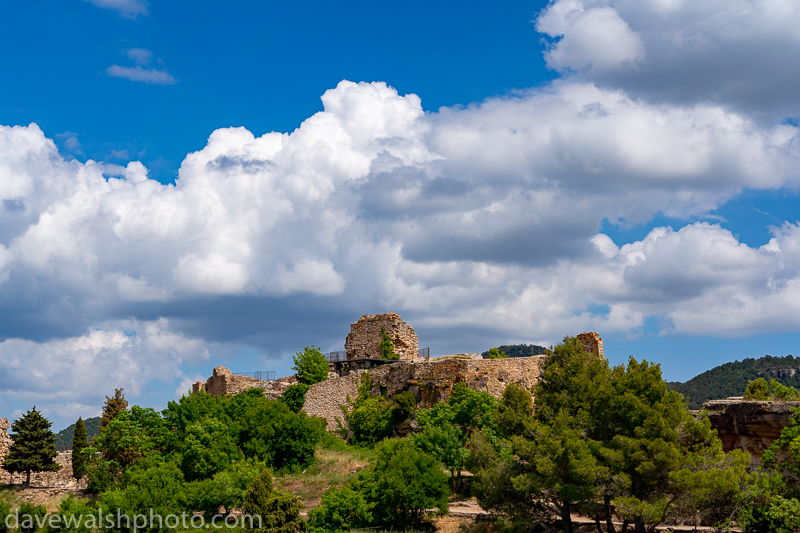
(279, 511)
(761, 390)
(406, 486)
(386, 346)
(75, 515)
(406, 404)
(370, 419)
(5, 510)
(495, 353)
(340, 510)
(310, 365)
(31, 516)
(295, 396)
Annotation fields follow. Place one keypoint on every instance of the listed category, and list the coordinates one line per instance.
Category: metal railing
(335, 357)
(261, 375)
(425, 353)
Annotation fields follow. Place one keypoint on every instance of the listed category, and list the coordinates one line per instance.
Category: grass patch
(335, 464)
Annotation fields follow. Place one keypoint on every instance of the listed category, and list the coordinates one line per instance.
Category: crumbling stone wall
(223, 381)
(5, 440)
(592, 342)
(365, 337)
(429, 381)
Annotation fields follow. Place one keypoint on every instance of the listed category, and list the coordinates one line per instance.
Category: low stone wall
(430, 382)
(62, 479)
(749, 426)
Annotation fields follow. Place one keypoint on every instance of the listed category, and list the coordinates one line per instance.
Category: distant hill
(65, 436)
(731, 379)
(519, 350)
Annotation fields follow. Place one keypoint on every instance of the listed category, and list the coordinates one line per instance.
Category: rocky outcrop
(749, 426)
(223, 381)
(592, 343)
(365, 337)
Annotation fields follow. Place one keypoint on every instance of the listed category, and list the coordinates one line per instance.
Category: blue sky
(186, 184)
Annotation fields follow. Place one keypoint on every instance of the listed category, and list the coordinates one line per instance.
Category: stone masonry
(223, 381)
(364, 338)
(429, 381)
(61, 479)
(592, 343)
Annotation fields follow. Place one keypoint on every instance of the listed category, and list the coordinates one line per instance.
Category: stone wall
(62, 479)
(223, 381)
(592, 342)
(324, 399)
(749, 426)
(5, 440)
(365, 337)
(429, 381)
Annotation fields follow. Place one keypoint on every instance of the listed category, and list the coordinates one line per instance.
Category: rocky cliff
(749, 426)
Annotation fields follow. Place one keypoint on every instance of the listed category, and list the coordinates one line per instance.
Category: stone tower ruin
(364, 338)
(592, 343)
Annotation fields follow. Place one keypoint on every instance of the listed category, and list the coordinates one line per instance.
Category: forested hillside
(65, 436)
(731, 379)
(519, 350)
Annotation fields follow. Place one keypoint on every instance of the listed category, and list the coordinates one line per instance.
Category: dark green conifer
(79, 442)
(113, 407)
(34, 448)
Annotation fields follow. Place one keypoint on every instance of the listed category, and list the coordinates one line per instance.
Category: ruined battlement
(592, 342)
(365, 337)
(223, 381)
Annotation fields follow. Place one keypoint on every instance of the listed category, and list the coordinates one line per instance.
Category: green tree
(208, 448)
(340, 510)
(447, 444)
(761, 390)
(33, 449)
(295, 396)
(279, 511)
(495, 353)
(406, 485)
(113, 407)
(370, 418)
(386, 346)
(310, 365)
(78, 444)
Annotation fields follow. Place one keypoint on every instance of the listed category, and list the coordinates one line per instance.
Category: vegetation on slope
(65, 436)
(519, 350)
(731, 379)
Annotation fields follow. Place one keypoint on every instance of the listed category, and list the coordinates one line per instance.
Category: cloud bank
(485, 218)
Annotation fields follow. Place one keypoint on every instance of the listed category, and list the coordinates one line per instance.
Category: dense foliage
(602, 442)
(731, 379)
(65, 437)
(762, 390)
(519, 350)
(495, 353)
(386, 346)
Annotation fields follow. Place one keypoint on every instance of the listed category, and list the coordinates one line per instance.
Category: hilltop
(519, 350)
(731, 379)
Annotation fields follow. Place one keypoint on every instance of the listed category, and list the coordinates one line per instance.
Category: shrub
(295, 396)
(310, 365)
(340, 510)
(279, 511)
(5, 510)
(495, 353)
(761, 390)
(75, 515)
(31, 516)
(386, 346)
(370, 419)
(406, 486)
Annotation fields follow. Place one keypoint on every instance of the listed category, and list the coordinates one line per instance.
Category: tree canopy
(33, 449)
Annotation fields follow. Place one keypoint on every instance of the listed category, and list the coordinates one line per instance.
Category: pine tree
(79, 442)
(34, 448)
(113, 407)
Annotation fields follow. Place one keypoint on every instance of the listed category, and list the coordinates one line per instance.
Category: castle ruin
(592, 343)
(365, 337)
